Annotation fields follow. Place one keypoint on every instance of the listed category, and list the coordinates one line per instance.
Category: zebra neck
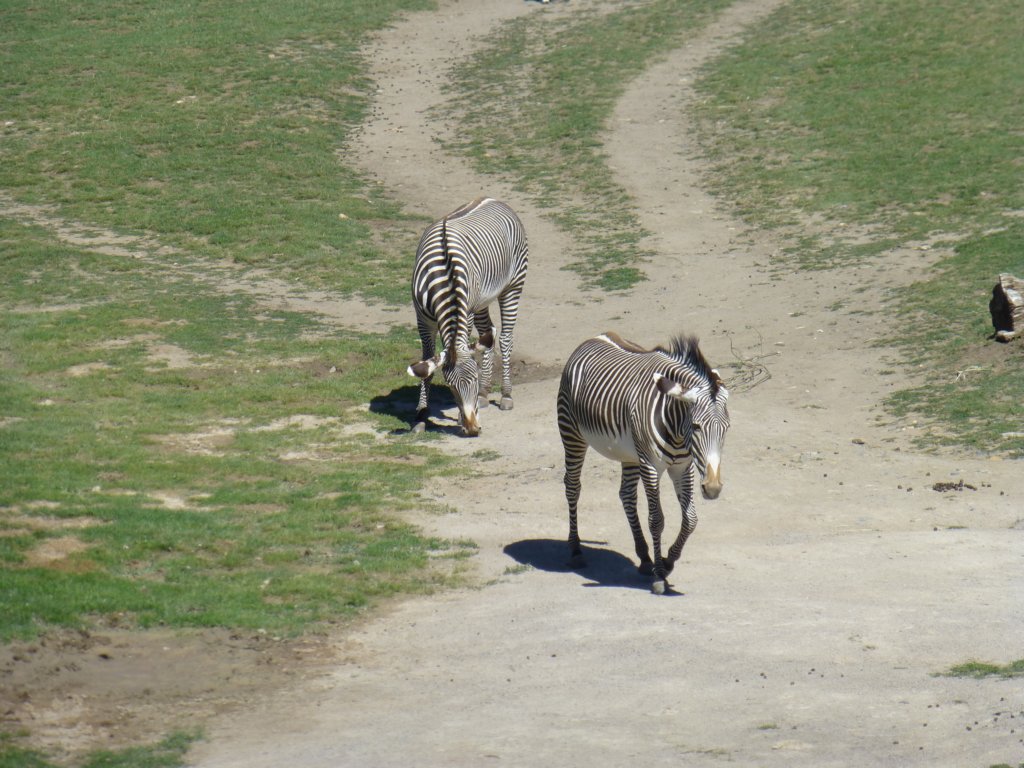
(453, 326)
(670, 424)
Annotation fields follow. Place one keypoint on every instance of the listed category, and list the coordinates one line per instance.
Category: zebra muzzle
(712, 485)
(470, 425)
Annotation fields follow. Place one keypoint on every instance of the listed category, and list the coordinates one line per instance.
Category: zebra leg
(575, 452)
(485, 330)
(427, 332)
(509, 303)
(684, 492)
(627, 494)
(656, 522)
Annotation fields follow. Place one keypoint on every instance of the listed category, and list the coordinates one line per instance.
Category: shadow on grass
(401, 404)
(604, 568)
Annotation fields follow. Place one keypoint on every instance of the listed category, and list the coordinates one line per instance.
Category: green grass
(852, 127)
(532, 107)
(972, 394)
(173, 451)
(144, 407)
(169, 753)
(872, 113)
(269, 524)
(856, 127)
(219, 127)
(978, 669)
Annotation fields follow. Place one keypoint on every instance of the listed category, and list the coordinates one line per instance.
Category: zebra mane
(686, 351)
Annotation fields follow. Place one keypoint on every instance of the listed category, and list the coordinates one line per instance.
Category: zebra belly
(617, 448)
(486, 295)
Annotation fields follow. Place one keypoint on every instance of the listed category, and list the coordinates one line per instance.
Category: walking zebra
(465, 261)
(651, 410)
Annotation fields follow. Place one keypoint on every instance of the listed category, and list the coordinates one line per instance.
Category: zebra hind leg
(574, 455)
(484, 329)
(509, 303)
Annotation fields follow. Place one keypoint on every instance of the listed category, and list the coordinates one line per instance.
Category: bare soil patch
(82, 691)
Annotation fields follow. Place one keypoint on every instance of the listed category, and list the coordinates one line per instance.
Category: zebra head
(462, 375)
(708, 420)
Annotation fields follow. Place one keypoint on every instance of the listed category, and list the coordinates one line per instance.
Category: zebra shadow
(605, 567)
(401, 403)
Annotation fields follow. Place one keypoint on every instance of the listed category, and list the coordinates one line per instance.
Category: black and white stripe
(653, 411)
(473, 256)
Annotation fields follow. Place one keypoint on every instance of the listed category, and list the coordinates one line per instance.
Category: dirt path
(820, 593)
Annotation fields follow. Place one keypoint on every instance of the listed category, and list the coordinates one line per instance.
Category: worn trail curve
(819, 595)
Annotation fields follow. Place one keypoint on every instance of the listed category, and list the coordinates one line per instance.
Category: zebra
(472, 256)
(650, 410)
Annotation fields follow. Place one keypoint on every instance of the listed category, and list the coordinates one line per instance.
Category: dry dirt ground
(813, 607)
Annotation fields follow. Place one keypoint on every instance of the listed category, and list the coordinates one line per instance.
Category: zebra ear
(424, 368)
(723, 393)
(667, 387)
(486, 340)
(675, 390)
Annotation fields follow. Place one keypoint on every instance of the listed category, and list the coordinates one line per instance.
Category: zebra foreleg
(684, 492)
(423, 409)
(627, 494)
(656, 522)
(424, 371)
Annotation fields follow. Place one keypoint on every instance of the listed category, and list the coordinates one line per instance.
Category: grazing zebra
(465, 261)
(651, 410)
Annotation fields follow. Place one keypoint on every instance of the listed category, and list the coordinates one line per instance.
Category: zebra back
(616, 389)
(463, 262)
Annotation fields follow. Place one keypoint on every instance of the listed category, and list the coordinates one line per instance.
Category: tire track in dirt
(819, 594)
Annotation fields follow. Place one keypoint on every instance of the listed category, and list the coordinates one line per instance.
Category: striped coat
(653, 411)
(472, 257)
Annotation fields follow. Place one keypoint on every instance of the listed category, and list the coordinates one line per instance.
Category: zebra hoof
(658, 587)
(576, 562)
(482, 402)
(506, 403)
(419, 427)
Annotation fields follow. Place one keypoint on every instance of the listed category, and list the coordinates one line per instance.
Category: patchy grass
(219, 128)
(174, 452)
(169, 753)
(978, 669)
(235, 488)
(856, 126)
(872, 113)
(972, 394)
(532, 107)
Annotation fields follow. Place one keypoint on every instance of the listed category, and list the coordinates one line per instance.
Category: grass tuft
(169, 753)
(978, 669)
